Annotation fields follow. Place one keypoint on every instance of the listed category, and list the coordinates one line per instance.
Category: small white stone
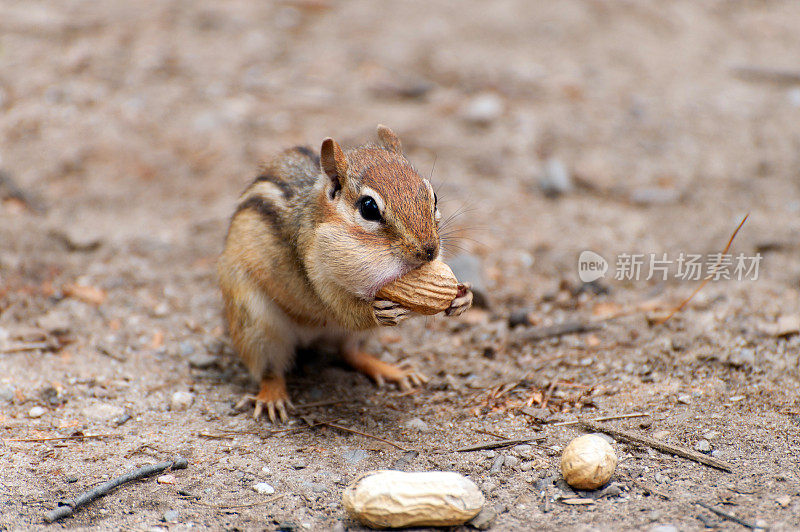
(181, 401)
(166, 479)
(264, 488)
(703, 446)
(266, 470)
(483, 109)
(36, 411)
(417, 424)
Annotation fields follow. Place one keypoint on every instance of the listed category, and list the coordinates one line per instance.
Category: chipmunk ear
(389, 139)
(333, 162)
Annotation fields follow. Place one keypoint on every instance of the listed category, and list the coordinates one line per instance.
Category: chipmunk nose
(430, 251)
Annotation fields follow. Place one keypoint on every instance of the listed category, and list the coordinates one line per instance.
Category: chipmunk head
(381, 217)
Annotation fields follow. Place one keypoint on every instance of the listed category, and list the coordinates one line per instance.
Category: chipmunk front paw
(272, 396)
(388, 313)
(462, 302)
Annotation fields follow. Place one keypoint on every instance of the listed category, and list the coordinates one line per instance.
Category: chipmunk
(312, 240)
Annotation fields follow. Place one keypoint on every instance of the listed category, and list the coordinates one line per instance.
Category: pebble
(55, 321)
(103, 411)
(793, 95)
(484, 519)
(783, 501)
(166, 479)
(181, 401)
(664, 528)
(654, 196)
(543, 483)
(202, 361)
(555, 179)
(489, 486)
(354, 456)
(703, 446)
(36, 411)
(716, 453)
(170, 516)
(266, 470)
(511, 461)
(685, 399)
(264, 488)
(524, 451)
(417, 424)
(742, 358)
(612, 490)
(497, 464)
(315, 487)
(483, 109)
(711, 434)
(186, 348)
(6, 394)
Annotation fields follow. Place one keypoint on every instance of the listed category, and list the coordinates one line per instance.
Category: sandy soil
(128, 129)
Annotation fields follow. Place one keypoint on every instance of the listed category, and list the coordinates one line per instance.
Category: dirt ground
(127, 130)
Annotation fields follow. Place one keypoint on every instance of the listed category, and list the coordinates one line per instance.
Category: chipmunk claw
(388, 313)
(273, 397)
(405, 377)
(462, 302)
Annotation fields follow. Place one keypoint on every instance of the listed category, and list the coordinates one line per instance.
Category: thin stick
(774, 75)
(69, 507)
(67, 438)
(496, 444)
(559, 329)
(490, 433)
(660, 446)
(215, 436)
(26, 346)
(708, 277)
(366, 435)
(231, 507)
(597, 419)
(727, 516)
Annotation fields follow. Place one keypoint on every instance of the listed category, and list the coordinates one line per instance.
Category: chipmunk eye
(369, 210)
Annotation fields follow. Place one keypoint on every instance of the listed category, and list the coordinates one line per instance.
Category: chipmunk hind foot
(382, 372)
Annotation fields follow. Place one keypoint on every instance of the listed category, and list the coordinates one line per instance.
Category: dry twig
(497, 444)
(728, 516)
(67, 508)
(28, 346)
(234, 506)
(676, 450)
(560, 329)
(67, 438)
(773, 75)
(598, 419)
(708, 277)
(365, 434)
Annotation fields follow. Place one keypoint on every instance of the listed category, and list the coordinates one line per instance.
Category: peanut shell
(396, 499)
(588, 462)
(427, 290)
